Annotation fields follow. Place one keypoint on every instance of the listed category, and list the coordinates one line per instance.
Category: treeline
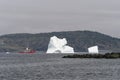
(79, 40)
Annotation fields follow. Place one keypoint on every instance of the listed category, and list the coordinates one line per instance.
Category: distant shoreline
(97, 56)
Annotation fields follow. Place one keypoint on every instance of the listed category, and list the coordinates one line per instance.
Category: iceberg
(57, 45)
(93, 49)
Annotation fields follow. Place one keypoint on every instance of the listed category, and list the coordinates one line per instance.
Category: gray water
(54, 67)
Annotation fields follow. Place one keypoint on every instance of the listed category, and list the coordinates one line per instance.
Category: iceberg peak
(57, 45)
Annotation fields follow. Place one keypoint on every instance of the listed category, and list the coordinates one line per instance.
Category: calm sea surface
(54, 67)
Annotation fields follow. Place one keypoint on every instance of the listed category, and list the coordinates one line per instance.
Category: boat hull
(28, 52)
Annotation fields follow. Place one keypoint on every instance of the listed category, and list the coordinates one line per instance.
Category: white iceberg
(93, 49)
(57, 45)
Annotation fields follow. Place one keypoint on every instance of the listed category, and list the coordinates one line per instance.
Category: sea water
(43, 66)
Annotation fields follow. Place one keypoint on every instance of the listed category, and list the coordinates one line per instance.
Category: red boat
(28, 51)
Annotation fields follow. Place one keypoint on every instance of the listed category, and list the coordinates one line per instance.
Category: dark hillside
(80, 40)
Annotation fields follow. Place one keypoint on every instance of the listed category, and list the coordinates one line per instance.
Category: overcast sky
(36, 16)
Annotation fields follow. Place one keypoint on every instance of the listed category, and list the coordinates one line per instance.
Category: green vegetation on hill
(79, 40)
